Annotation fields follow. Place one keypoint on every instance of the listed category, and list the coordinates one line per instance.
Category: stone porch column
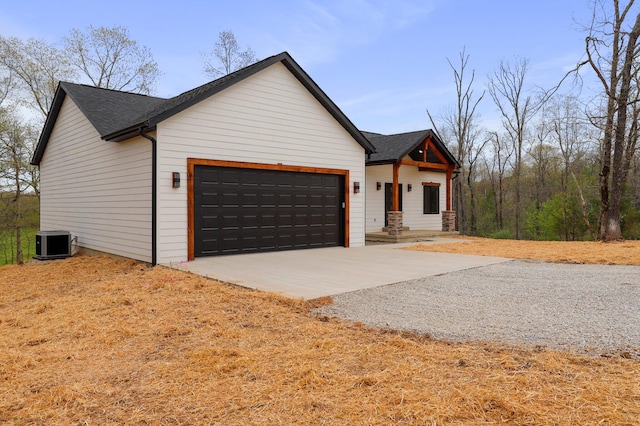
(448, 220)
(394, 223)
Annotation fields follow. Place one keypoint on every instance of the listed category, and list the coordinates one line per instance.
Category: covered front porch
(408, 187)
(407, 236)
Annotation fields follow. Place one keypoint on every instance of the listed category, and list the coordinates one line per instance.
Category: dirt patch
(92, 340)
(615, 253)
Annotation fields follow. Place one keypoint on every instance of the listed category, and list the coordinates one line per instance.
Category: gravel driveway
(592, 309)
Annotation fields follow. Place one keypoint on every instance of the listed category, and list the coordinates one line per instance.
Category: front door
(388, 200)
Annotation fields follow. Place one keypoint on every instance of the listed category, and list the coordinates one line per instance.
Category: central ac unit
(53, 245)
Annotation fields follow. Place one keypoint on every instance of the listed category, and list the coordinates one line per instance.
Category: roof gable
(104, 108)
(392, 148)
(119, 116)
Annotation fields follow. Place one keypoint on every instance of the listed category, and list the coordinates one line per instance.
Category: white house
(409, 173)
(258, 160)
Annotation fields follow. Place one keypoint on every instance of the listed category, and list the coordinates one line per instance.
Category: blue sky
(384, 63)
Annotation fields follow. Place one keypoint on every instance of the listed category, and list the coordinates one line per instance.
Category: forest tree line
(560, 166)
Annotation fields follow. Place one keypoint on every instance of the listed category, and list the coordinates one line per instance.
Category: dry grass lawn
(615, 253)
(96, 341)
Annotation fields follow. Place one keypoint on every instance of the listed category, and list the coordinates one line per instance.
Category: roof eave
(444, 149)
(50, 121)
(128, 132)
(380, 162)
(440, 145)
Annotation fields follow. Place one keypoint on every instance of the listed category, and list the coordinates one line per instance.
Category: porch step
(404, 229)
(407, 237)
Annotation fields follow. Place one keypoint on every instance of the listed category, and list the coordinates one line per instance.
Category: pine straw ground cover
(96, 341)
(587, 252)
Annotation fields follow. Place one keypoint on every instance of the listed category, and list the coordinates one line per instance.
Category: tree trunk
(494, 190)
(583, 204)
(472, 205)
(565, 226)
(19, 255)
(461, 211)
(517, 199)
(500, 203)
(613, 230)
(610, 87)
(604, 193)
(632, 143)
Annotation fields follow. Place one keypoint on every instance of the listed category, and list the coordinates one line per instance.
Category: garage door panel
(229, 176)
(210, 223)
(284, 199)
(251, 210)
(267, 220)
(249, 199)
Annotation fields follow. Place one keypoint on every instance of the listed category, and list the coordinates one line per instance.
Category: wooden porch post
(395, 206)
(394, 217)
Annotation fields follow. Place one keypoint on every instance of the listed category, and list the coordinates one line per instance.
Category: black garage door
(239, 210)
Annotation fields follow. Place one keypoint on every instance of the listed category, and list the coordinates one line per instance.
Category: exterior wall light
(175, 180)
(409, 187)
(356, 187)
(378, 186)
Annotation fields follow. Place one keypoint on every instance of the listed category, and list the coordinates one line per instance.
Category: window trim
(424, 197)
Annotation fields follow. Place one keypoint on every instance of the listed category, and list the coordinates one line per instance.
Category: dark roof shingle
(392, 148)
(107, 109)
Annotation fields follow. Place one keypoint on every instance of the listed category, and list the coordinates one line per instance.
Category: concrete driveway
(314, 273)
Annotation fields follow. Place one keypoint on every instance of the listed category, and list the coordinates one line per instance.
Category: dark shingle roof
(107, 109)
(104, 108)
(392, 148)
(120, 115)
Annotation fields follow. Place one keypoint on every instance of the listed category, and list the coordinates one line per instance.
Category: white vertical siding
(412, 202)
(267, 118)
(99, 191)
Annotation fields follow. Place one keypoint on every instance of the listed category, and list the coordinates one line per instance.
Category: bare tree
(506, 87)
(544, 158)
(499, 160)
(572, 136)
(227, 56)
(33, 68)
(633, 132)
(7, 83)
(460, 122)
(473, 155)
(16, 146)
(109, 58)
(617, 71)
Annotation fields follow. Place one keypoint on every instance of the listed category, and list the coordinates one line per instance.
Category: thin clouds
(399, 109)
(320, 32)
(384, 63)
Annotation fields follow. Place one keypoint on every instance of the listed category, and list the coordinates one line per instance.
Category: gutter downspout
(154, 172)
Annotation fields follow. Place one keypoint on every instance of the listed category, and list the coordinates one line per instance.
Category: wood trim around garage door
(192, 162)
